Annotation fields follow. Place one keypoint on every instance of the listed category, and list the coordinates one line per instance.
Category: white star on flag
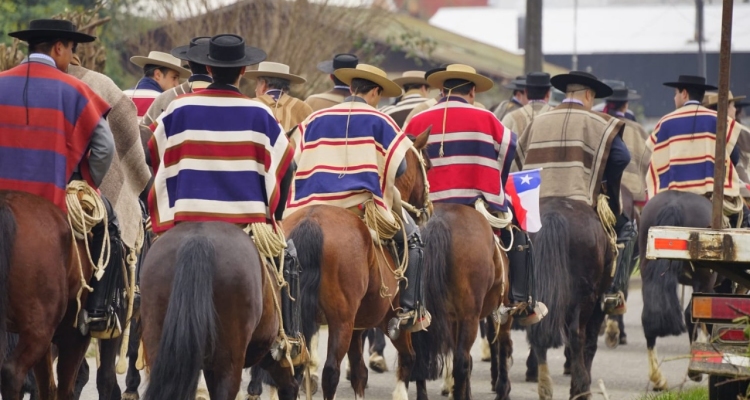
(526, 180)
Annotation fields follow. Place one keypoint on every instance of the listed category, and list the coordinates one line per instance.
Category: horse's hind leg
(357, 364)
(532, 367)
(422, 390)
(106, 378)
(339, 337)
(491, 336)
(504, 346)
(580, 382)
(466, 335)
(72, 347)
(133, 377)
(544, 387)
(31, 349)
(43, 379)
(654, 372)
(255, 387)
(406, 359)
(224, 383)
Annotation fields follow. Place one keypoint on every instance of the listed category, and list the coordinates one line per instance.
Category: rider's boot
(613, 302)
(99, 316)
(528, 310)
(290, 306)
(412, 315)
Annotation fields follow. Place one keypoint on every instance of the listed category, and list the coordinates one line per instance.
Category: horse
(466, 280)
(208, 304)
(40, 279)
(572, 265)
(661, 314)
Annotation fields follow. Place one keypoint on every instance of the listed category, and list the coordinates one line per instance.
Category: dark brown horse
(572, 269)
(466, 279)
(39, 282)
(208, 304)
(661, 314)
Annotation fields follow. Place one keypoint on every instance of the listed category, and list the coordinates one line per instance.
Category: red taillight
(718, 307)
(732, 335)
(670, 244)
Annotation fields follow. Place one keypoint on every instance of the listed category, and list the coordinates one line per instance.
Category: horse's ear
(421, 140)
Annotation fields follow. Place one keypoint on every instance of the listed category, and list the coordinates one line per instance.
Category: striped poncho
(477, 152)
(218, 156)
(44, 140)
(683, 144)
(347, 168)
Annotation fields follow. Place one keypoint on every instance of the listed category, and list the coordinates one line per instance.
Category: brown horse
(39, 281)
(208, 304)
(466, 279)
(572, 269)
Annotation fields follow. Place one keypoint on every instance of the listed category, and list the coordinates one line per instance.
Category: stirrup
(409, 321)
(529, 316)
(614, 303)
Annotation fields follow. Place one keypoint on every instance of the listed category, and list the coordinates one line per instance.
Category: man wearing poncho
(218, 155)
(580, 151)
(471, 152)
(350, 155)
(683, 144)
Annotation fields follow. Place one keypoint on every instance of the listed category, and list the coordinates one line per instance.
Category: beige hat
(274, 70)
(411, 78)
(372, 74)
(712, 98)
(460, 71)
(163, 60)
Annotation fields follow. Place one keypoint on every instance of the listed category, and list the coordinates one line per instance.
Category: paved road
(624, 370)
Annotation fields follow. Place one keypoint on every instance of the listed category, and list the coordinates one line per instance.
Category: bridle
(422, 214)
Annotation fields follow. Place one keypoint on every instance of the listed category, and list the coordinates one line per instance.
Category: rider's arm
(286, 183)
(401, 168)
(102, 147)
(735, 156)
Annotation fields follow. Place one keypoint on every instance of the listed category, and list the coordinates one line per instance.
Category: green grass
(700, 393)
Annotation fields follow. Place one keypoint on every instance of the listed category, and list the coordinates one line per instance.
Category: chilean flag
(523, 189)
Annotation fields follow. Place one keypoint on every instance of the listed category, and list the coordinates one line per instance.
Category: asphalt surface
(624, 370)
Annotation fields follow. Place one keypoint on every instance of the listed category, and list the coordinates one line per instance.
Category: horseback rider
(340, 89)
(471, 152)
(349, 156)
(416, 91)
(54, 127)
(537, 92)
(694, 172)
(517, 101)
(161, 72)
(587, 162)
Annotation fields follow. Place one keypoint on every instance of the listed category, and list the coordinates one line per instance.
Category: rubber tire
(727, 391)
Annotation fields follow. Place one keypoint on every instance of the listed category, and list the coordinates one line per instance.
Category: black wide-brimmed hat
(339, 61)
(561, 82)
(690, 81)
(45, 29)
(517, 84)
(538, 80)
(226, 51)
(181, 52)
(623, 94)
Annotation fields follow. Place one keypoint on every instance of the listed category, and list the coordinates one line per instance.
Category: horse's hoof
(623, 340)
(377, 363)
(695, 376)
(611, 340)
(314, 383)
(252, 397)
(533, 379)
(444, 392)
(131, 396)
(486, 353)
(566, 371)
(202, 394)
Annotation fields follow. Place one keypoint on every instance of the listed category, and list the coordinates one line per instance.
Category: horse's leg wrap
(104, 301)
(626, 240)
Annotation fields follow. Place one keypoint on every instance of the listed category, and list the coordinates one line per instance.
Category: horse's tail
(662, 314)
(431, 345)
(308, 239)
(7, 238)
(190, 325)
(551, 280)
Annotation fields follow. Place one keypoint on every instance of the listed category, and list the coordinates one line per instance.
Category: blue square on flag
(523, 189)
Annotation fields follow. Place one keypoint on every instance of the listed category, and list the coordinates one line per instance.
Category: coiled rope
(384, 229)
(732, 206)
(86, 210)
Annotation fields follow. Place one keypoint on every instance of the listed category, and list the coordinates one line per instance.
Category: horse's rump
(461, 272)
(662, 314)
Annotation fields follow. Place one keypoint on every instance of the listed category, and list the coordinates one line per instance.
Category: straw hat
(162, 60)
(712, 98)
(411, 78)
(372, 74)
(274, 70)
(460, 71)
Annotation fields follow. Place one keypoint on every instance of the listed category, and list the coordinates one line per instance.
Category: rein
(423, 214)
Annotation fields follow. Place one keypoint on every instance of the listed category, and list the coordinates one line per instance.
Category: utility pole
(532, 59)
(574, 61)
(699, 37)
